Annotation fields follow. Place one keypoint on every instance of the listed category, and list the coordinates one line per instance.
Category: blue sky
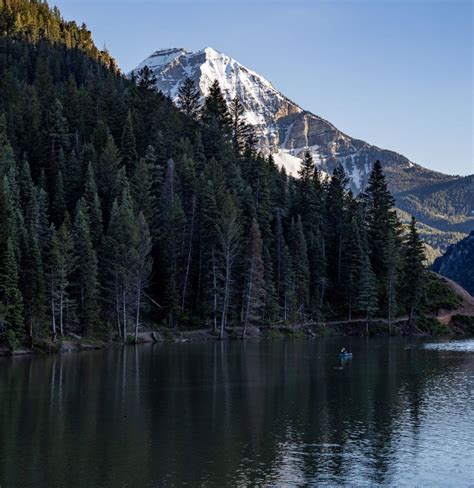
(398, 74)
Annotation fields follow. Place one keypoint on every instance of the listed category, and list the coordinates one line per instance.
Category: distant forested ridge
(118, 208)
(458, 263)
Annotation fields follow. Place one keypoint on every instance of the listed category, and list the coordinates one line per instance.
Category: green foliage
(175, 215)
(432, 326)
(12, 340)
(34, 21)
(413, 270)
(438, 295)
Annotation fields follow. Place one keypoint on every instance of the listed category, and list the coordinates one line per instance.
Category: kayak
(345, 355)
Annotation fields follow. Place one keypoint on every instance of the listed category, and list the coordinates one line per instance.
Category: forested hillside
(458, 263)
(118, 209)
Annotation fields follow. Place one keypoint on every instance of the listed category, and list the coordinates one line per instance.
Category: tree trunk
(137, 315)
(188, 261)
(410, 320)
(214, 284)
(224, 305)
(53, 317)
(117, 311)
(61, 311)
(124, 310)
(249, 298)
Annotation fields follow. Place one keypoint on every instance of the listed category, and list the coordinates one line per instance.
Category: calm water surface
(272, 413)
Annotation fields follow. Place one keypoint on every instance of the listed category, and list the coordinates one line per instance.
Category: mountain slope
(285, 129)
(458, 263)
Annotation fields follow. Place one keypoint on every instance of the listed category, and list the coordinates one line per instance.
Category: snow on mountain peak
(261, 101)
(282, 127)
(161, 58)
(211, 52)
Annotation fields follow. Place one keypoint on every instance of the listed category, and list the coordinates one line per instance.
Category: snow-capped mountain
(284, 128)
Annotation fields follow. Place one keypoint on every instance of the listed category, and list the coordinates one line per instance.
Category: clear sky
(395, 73)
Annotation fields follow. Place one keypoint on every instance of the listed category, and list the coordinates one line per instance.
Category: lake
(268, 413)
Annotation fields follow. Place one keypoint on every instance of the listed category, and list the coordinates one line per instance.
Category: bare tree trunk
(53, 314)
(390, 316)
(137, 315)
(117, 311)
(214, 284)
(249, 296)
(124, 310)
(225, 301)
(188, 261)
(410, 320)
(61, 309)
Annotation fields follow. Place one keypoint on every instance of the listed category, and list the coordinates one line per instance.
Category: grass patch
(438, 295)
(296, 334)
(431, 325)
(274, 334)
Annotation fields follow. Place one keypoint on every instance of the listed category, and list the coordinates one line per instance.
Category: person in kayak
(344, 350)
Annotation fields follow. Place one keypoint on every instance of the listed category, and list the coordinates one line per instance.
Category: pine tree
(254, 285)
(7, 157)
(172, 225)
(353, 259)
(93, 208)
(335, 230)
(7, 221)
(381, 217)
(212, 196)
(42, 221)
(215, 108)
(60, 265)
(367, 289)
(242, 136)
(307, 167)
(32, 283)
(11, 300)
(58, 206)
(142, 267)
(228, 238)
(310, 207)
(300, 267)
(128, 149)
(145, 79)
(86, 275)
(189, 99)
(282, 268)
(106, 176)
(413, 271)
(141, 185)
(156, 174)
(392, 264)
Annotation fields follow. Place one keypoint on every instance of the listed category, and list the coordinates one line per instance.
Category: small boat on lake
(345, 355)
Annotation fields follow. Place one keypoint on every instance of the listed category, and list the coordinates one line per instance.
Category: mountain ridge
(287, 130)
(458, 263)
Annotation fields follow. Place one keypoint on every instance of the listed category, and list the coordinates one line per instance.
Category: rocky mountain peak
(282, 126)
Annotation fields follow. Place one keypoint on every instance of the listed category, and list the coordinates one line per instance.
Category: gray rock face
(287, 131)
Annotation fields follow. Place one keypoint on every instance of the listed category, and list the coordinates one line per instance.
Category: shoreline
(344, 328)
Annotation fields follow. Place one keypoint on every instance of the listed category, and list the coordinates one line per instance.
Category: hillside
(443, 202)
(117, 210)
(457, 263)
